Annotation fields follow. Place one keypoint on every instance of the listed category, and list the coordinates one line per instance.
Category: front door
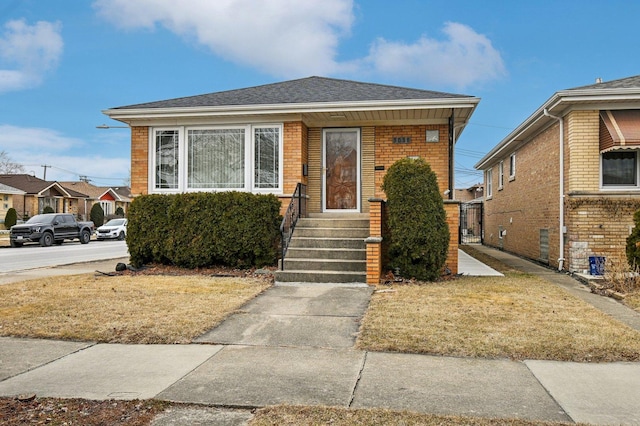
(341, 165)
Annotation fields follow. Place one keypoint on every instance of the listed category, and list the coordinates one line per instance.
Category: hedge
(193, 230)
(417, 220)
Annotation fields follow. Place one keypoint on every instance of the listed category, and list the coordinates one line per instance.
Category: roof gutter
(561, 190)
(227, 110)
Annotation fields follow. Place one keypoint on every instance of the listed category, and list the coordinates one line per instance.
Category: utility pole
(44, 166)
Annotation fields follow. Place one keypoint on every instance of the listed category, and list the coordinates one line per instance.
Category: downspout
(451, 142)
(561, 187)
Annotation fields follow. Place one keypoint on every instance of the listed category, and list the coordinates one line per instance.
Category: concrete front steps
(327, 248)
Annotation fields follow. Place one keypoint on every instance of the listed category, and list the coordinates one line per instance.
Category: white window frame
(512, 166)
(489, 182)
(500, 175)
(183, 158)
(153, 189)
(621, 187)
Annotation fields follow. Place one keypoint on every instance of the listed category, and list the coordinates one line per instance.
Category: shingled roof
(301, 91)
(622, 83)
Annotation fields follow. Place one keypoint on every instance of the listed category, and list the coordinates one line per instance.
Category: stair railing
(297, 209)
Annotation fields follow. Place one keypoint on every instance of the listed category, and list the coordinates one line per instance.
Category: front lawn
(123, 308)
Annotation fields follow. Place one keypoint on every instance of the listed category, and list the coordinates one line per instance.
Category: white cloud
(463, 59)
(68, 156)
(281, 37)
(293, 38)
(27, 53)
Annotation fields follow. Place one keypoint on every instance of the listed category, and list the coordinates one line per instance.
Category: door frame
(358, 132)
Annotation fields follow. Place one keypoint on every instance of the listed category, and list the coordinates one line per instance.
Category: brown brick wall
(529, 202)
(139, 160)
(434, 153)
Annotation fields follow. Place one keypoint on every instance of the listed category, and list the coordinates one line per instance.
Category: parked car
(115, 229)
(50, 228)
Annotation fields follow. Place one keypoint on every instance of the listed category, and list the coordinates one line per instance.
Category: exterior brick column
(374, 242)
(452, 209)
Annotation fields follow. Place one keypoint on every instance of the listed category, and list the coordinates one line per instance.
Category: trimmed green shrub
(120, 212)
(11, 218)
(47, 210)
(633, 242)
(417, 220)
(192, 230)
(97, 215)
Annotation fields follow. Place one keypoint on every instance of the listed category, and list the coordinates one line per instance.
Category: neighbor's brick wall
(139, 160)
(599, 227)
(529, 202)
(583, 135)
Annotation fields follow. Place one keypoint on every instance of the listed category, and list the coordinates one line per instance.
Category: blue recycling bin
(596, 265)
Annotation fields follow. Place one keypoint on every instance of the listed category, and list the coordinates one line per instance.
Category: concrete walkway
(294, 344)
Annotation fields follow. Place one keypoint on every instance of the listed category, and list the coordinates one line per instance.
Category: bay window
(229, 158)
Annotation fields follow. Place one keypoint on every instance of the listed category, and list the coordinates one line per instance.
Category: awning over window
(619, 129)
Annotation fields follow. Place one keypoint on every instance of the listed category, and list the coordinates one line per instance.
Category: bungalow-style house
(333, 138)
(109, 198)
(6, 199)
(38, 194)
(563, 186)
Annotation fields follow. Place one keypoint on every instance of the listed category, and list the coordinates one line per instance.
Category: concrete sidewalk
(294, 344)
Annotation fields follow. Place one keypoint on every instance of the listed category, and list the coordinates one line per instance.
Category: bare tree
(7, 166)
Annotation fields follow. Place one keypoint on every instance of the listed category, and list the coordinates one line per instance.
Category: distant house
(6, 199)
(109, 198)
(474, 192)
(563, 186)
(38, 194)
(335, 137)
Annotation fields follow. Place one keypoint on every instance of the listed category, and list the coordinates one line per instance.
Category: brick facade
(526, 210)
(139, 160)
(303, 145)
(527, 203)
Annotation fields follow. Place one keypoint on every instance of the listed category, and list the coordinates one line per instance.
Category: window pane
(216, 159)
(267, 158)
(619, 168)
(167, 159)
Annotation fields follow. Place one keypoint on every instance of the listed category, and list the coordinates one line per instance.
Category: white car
(115, 229)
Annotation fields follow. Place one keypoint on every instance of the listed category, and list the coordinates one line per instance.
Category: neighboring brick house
(474, 192)
(109, 198)
(337, 137)
(6, 199)
(38, 194)
(563, 186)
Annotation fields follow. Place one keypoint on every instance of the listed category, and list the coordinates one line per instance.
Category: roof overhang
(426, 111)
(560, 104)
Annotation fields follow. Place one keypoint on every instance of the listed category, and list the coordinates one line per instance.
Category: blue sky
(62, 62)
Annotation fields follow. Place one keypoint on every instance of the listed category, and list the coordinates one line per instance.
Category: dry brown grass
(122, 309)
(290, 415)
(518, 316)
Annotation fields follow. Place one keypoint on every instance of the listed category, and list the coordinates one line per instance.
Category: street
(34, 256)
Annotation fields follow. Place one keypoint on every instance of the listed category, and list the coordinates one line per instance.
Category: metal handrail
(297, 209)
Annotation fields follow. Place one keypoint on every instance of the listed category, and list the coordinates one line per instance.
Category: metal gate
(471, 223)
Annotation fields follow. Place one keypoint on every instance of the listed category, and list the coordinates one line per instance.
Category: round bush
(417, 220)
(11, 218)
(97, 215)
(47, 210)
(120, 212)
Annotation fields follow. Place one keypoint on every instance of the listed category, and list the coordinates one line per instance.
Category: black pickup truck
(50, 228)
